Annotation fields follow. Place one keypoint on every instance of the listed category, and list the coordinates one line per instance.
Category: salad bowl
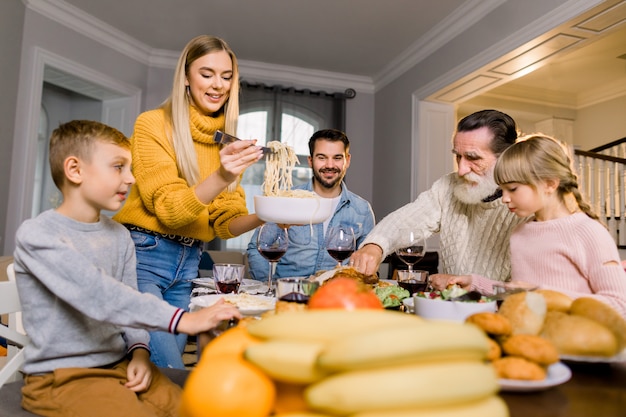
(438, 306)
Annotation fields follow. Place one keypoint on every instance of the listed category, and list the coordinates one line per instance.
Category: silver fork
(225, 138)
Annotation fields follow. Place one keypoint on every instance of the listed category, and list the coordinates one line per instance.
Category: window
(285, 114)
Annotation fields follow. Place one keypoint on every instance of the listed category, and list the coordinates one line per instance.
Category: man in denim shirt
(329, 159)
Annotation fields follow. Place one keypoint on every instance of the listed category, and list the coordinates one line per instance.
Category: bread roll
(556, 301)
(578, 335)
(534, 348)
(526, 311)
(604, 314)
(491, 323)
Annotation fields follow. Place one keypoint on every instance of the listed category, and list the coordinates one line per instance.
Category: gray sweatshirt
(78, 287)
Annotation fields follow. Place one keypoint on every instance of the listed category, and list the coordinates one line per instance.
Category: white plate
(620, 357)
(409, 303)
(558, 373)
(292, 210)
(248, 304)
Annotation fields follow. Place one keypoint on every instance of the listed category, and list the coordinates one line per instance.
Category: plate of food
(557, 374)
(620, 357)
(248, 304)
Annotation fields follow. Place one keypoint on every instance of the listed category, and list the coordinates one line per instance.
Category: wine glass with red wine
(412, 248)
(340, 243)
(272, 242)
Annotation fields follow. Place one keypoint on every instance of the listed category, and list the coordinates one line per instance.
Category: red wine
(272, 255)
(295, 297)
(228, 287)
(413, 286)
(340, 254)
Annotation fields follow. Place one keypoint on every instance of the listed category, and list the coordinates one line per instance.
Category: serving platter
(248, 304)
(620, 357)
(558, 373)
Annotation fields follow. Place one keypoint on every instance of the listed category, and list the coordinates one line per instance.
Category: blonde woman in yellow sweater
(186, 189)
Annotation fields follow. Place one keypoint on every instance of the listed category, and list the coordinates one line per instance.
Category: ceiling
(367, 40)
(353, 37)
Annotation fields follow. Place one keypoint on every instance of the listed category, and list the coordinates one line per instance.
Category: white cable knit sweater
(474, 238)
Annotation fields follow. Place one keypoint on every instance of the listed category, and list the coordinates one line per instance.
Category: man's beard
(326, 184)
(473, 188)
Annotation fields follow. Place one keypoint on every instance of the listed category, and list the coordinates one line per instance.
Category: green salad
(392, 295)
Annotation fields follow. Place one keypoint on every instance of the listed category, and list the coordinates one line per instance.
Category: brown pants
(98, 392)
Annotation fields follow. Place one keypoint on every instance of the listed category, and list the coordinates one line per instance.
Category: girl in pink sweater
(564, 247)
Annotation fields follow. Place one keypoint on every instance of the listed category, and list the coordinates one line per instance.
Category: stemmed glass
(340, 243)
(272, 242)
(412, 249)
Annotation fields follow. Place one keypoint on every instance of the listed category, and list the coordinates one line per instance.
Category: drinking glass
(272, 242)
(340, 243)
(412, 248)
(228, 277)
(296, 289)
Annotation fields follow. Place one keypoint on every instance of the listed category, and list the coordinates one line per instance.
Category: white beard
(473, 188)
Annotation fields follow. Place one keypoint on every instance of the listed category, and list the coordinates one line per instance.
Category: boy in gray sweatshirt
(76, 277)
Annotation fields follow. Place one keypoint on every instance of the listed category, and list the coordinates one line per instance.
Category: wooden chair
(14, 334)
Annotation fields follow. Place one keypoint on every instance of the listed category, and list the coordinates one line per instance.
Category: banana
(325, 325)
(407, 386)
(287, 360)
(424, 341)
(491, 406)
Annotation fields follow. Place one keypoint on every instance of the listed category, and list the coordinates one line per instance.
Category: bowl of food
(442, 305)
(292, 210)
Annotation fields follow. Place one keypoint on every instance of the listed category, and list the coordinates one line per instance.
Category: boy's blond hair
(76, 138)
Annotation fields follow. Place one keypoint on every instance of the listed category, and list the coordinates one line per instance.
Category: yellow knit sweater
(161, 200)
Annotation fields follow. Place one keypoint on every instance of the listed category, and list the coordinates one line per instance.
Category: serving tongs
(224, 139)
(468, 296)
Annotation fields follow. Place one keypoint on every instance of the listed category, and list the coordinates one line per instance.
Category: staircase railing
(602, 179)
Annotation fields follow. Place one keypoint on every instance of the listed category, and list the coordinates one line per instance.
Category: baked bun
(556, 301)
(514, 367)
(578, 335)
(495, 351)
(534, 348)
(604, 314)
(526, 311)
(491, 323)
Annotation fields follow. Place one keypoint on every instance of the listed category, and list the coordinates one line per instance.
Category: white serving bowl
(449, 310)
(292, 210)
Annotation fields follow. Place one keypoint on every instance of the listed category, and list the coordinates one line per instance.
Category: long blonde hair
(536, 158)
(177, 104)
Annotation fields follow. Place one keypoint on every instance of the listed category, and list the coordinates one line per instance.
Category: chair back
(13, 333)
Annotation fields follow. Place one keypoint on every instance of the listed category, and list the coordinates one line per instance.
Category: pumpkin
(344, 293)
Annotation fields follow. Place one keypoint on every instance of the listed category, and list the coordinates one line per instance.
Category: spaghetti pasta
(279, 167)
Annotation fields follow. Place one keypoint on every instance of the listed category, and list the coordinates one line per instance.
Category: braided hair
(537, 157)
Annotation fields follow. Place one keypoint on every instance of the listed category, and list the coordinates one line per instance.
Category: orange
(227, 386)
(289, 398)
(232, 342)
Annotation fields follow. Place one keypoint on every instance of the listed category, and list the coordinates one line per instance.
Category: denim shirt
(307, 253)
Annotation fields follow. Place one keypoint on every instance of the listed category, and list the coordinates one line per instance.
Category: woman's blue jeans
(165, 269)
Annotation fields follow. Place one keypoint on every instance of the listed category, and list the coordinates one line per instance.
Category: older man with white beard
(465, 208)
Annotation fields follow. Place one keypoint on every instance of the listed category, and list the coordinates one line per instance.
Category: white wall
(11, 24)
(600, 124)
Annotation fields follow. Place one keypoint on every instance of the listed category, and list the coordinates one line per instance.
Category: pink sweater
(569, 255)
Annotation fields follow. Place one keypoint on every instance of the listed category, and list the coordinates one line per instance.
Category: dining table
(594, 389)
